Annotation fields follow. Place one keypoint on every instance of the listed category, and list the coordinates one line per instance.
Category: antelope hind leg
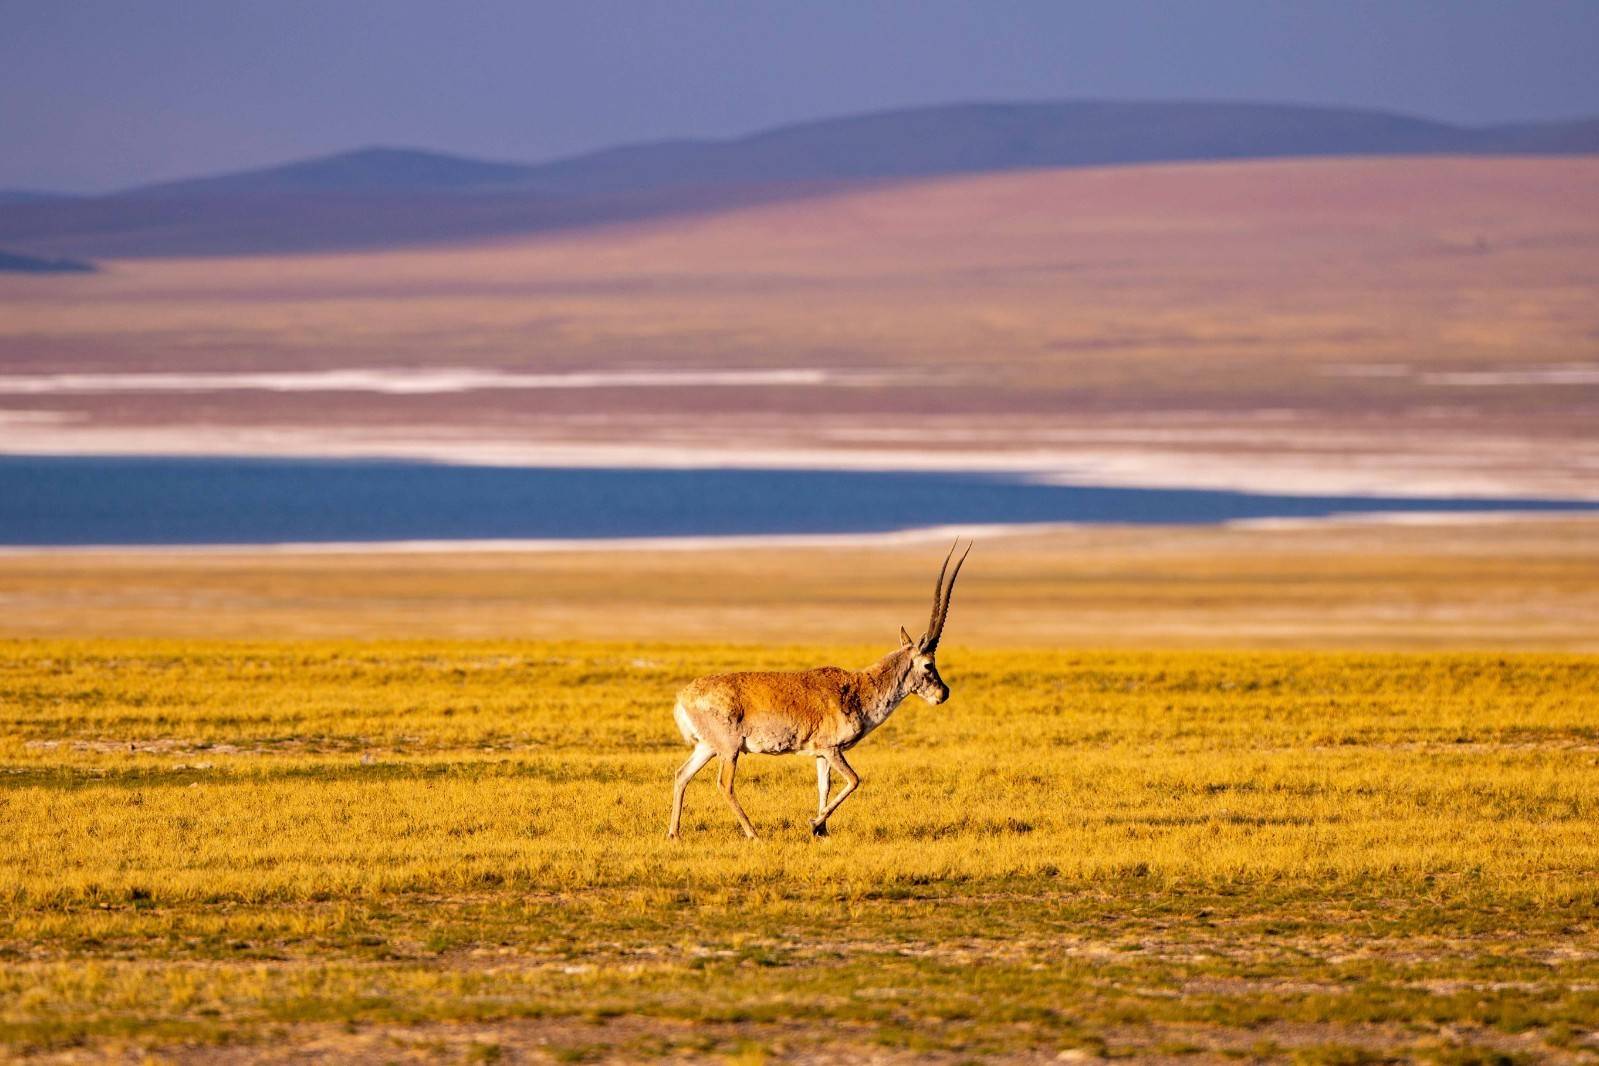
(685, 774)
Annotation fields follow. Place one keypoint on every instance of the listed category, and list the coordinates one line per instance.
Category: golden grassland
(454, 850)
(1253, 309)
(315, 840)
(1532, 585)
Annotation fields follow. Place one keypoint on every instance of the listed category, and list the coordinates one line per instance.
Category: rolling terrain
(395, 197)
(28, 264)
(916, 143)
(1406, 324)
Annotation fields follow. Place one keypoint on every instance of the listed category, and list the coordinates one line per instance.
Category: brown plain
(1531, 585)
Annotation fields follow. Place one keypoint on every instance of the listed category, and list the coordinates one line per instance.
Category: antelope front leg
(724, 777)
(852, 781)
(823, 783)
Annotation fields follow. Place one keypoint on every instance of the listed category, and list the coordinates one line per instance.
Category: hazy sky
(96, 94)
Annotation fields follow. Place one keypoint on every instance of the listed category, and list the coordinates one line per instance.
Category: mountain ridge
(1087, 128)
(372, 168)
(381, 196)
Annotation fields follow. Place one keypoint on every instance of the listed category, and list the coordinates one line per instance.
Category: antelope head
(923, 679)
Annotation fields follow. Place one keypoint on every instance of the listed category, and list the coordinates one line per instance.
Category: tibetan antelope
(822, 713)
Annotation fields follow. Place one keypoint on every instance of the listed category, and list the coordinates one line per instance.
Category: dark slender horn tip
(942, 591)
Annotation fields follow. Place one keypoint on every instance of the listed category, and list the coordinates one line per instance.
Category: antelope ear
(905, 638)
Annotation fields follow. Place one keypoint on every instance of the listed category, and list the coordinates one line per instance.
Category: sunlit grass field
(455, 850)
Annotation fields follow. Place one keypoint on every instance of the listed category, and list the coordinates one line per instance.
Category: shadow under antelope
(822, 712)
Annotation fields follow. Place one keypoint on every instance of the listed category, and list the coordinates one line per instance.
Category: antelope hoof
(671, 834)
(818, 829)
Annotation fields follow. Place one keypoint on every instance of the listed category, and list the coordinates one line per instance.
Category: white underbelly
(773, 742)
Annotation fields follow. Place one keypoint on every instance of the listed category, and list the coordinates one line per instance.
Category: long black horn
(938, 591)
(941, 609)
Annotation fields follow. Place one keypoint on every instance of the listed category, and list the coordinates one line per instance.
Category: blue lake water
(153, 501)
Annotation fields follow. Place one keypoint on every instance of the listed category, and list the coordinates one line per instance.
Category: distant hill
(389, 196)
(972, 138)
(919, 142)
(30, 196)
(364, 171)
(12, 263)
(1579, 137)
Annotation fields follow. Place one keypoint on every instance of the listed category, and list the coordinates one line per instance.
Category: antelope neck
(885, 681)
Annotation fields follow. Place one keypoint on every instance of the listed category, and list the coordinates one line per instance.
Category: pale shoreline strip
(799, 541)
(418, 381)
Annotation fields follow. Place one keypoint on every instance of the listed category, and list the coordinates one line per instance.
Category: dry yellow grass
(438, 849)
(436, 845)
(1531, 585)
